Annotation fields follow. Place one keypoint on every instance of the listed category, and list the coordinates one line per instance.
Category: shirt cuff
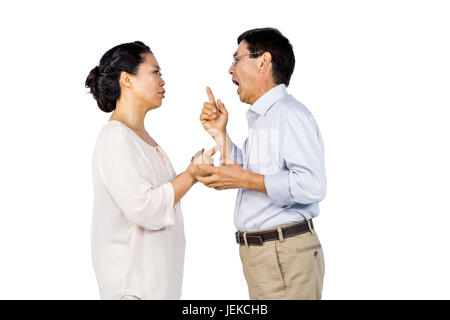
(169, 213)
(277, 187)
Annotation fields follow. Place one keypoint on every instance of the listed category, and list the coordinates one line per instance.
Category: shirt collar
(268, 99)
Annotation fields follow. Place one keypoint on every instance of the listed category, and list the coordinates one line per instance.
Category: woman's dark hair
(271, 40)
(103, 80)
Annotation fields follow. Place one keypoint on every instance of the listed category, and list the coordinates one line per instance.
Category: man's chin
(242, 98)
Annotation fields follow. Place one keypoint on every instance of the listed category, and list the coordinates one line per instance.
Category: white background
(375, 74)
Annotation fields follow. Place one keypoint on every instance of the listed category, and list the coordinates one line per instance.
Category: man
(279, 172)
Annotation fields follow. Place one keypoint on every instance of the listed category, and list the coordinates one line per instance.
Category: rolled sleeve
(147, 205)
(302, 179)
(277, 187)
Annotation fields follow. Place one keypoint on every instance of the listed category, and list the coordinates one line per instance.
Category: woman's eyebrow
(157, 67)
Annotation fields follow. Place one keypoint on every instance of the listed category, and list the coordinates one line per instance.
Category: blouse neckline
(145, 142)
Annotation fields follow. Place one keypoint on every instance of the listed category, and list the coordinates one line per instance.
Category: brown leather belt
(258, 238)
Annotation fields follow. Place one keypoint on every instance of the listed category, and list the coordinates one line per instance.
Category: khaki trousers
(291, 268)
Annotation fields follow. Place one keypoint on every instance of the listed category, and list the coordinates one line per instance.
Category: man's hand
(214, 116)
(230, 176)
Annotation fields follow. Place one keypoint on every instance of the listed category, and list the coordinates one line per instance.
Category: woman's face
(148, 86)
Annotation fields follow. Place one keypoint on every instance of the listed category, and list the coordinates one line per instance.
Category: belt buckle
(260, 242)
(240, 233)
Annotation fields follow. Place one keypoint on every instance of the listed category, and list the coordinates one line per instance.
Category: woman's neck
(131, 115)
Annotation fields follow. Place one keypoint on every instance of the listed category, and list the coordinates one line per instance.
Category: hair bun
(92, 79)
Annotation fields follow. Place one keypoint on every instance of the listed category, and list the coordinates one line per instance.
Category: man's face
(245, 74)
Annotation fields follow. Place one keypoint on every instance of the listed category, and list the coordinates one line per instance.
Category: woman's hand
(204, 158)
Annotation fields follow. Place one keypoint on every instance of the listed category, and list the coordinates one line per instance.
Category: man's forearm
(254, 181)
(223, 140)
(250, 180)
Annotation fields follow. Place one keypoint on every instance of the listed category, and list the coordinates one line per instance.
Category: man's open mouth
(235, 82)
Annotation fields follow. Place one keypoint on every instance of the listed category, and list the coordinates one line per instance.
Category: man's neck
(262, 90)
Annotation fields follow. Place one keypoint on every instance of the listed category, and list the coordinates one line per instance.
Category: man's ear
(125, 80)
(265, 61)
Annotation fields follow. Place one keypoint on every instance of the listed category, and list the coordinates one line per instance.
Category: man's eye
(157, 72)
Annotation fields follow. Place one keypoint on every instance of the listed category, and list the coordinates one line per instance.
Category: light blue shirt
(285, 145)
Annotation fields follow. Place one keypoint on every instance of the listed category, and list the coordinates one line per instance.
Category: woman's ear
(125, 80)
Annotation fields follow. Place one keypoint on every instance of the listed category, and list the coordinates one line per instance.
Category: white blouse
(137, 232)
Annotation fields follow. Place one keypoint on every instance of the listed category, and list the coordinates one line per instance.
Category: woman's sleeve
(151, 207)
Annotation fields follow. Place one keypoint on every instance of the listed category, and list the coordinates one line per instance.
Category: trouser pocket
(302, 266)
(262, 271)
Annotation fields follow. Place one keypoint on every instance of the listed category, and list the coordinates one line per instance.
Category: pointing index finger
(211, 98)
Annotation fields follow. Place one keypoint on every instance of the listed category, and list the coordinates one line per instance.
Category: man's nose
(231, 70)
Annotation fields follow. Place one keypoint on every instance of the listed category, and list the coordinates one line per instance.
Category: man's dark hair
(271, 40)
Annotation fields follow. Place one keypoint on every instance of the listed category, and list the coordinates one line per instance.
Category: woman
(137, 232)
